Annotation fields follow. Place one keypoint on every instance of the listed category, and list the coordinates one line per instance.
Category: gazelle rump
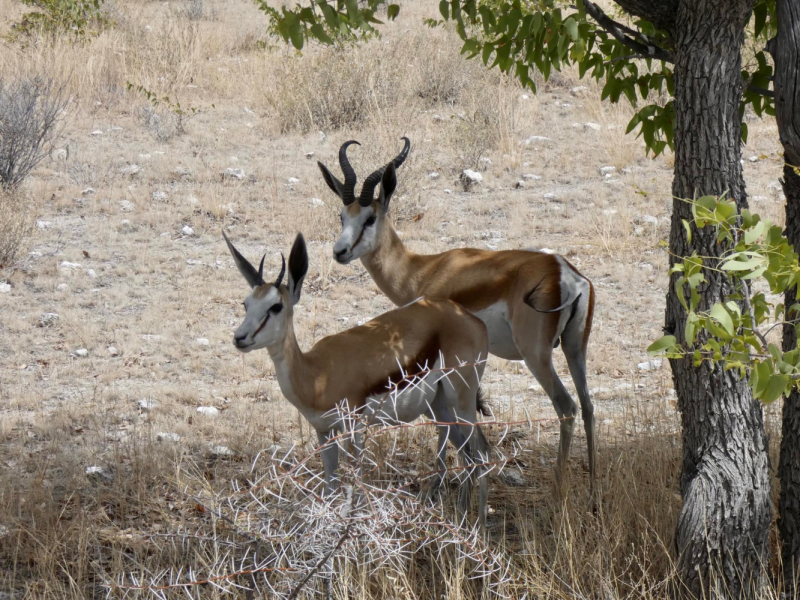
(356, 366)
(528, 300)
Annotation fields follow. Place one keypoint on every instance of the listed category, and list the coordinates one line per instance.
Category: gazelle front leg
(330, 459)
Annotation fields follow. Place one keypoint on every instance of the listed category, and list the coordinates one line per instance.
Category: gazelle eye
(276, 308)
(370, 221)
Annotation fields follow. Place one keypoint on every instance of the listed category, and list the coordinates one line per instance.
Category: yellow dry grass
(150, 292)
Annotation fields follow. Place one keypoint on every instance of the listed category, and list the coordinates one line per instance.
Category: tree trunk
(723, 528)
(785, 51)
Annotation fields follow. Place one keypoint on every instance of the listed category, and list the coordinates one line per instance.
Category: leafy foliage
(83, 18)
(758, 261)
(182, 114)
(633, 58)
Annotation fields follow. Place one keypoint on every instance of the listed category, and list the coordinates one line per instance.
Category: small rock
(144, 157)
(322, 137)
(98, 474)
(433, 175)
(519, 185)
(293, 181)
(446, 191)
(81, 353)
(485, 161)
(70, 265)
(549, 196)
(91, 273)
(202, 341)
(536, 138)
(182, 172)
(753, 159)
(593, 126)
(220, 451)
(513, 478)
(131, 170)
(112, 351)
(775, 185)
(529, 177)
(471, 176)
(48, 319)
(638, 230)
(650, 365)
(88, 192)
(231, 173)
(578, 90)
(162, 436)
(309, 155)
(147, 404)
(159, 196)
(126, 206)
(97, 133)
(40, 224)
(608, 170)
(317, 202)
(5, 288)
(187, 230)
(646, 219)
(524, 97)
(210, 411)
(610, 211)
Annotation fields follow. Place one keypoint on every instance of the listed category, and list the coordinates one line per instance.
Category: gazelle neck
(390, 266)
(292, 369)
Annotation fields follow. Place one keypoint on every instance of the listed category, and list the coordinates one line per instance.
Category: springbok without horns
(422, 338)
(529, 301)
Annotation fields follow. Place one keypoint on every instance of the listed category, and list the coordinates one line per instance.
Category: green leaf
(752, 234)
(318, 31)
(666, 342)
(571, 25)
(444, 9)
(721, 315)
(775, 388)
(393, 10)
(736, 265)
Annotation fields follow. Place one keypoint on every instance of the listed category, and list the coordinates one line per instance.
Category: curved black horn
(279, 280)
(371, 182)
(349, 192)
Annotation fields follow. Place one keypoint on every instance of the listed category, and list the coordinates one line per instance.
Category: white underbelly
(406, 405)
(501, 342)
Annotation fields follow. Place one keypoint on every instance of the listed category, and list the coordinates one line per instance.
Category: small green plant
(733, 333)
(180, 115)
(82, 18)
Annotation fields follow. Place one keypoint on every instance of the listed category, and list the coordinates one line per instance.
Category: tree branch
(660, 13)
(646, 50)
(762, 91)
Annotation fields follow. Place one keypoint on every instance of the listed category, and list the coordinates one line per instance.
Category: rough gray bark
(660, 13)
(785, 51)
(723, 528)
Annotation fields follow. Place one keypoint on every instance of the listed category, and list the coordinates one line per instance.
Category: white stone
(322, 136)
(112, 351)
(433, 175)
(43, 224)
(293, 180)
(608, 170)
(577, 125)
(485, 161)
(162, 436)
(91, 273)
(220, 450)
(81, 353)
(520, 184)
(753, 158)
(96, 473)
(610, 211)
(159, 196)
(549, 196)
(147, 404)
(5, 288)
(48, 319)
(529, 176)
(210, 411)
(97, 132)
(536, 138)
(648, 219)
(775, 185)
(309, 155)
(70, 265)
(317, 202)
(471, 176)
(87, 192)
(126, 206)
(187, 230)
(202, 341)
(577, 90)
(593, 126)
(525, 97)
(446, 191)
(650, 365)
(144, 157)
(232, 173)
(131, 170)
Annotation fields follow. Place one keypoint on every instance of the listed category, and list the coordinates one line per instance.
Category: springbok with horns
(425, 338)
(529, 301)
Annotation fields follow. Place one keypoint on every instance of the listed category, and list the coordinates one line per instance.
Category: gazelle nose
(238, 338)
(340, 252)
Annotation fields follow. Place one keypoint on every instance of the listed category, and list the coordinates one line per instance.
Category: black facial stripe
(260, 327)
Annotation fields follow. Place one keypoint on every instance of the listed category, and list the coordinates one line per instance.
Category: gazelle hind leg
(576, 360)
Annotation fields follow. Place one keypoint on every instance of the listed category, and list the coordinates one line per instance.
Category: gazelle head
(362, 220)
(269, 307)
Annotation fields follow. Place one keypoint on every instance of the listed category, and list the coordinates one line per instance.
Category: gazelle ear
(298, 267)
(333, 183)
(388, 186)
(247, 270)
